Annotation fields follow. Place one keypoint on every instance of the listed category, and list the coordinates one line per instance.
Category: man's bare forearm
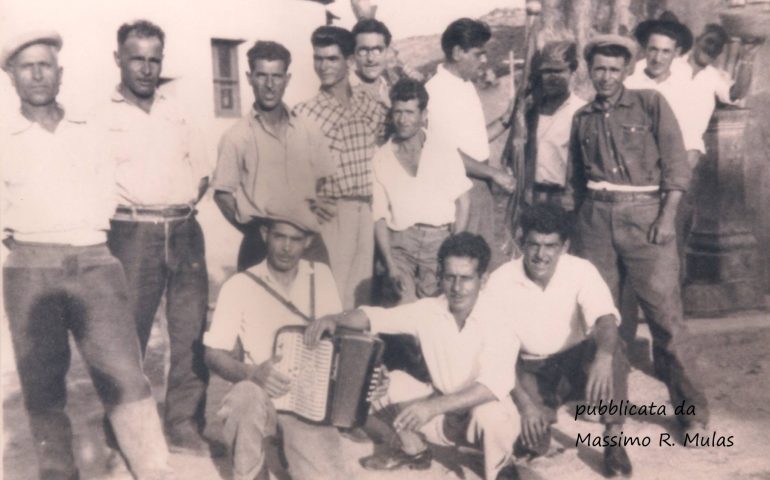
(462, 213)
(606, 334)
(467, 398)
(226, 203)
(382, 239)
(224, 364)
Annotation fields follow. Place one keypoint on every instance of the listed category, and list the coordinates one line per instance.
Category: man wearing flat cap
(253, 305)
(60, 278)
(629, 171)
(549, 120)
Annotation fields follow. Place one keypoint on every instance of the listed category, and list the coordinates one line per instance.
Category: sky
(407, 18)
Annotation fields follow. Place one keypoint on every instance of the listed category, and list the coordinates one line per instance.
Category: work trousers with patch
(51, 291)
(493, 425)
(168, 257)
(553, 380)
(613, 236)
(253, 248)
(312, 451)
(349, 237)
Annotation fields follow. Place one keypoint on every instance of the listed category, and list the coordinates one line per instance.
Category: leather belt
(612, 196)
(548, 188)
(427, 226)
(174, 212)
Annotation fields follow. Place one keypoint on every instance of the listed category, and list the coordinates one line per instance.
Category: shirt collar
(519, 274)
(623, 100)
(261, 270)
(255, 114)
(18, 123)
(118, 97)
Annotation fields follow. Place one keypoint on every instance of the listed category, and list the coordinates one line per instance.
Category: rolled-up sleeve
(675, 171)
(227, 172)
(226, 321)
(594, 298)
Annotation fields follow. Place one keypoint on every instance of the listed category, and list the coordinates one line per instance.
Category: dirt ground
(735, 362)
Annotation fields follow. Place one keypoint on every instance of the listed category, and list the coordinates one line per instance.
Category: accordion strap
(284, 301)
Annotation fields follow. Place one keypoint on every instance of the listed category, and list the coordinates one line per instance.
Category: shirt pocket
(634, 136)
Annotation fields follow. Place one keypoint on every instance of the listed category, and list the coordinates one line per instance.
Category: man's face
(471, 62)
(36, 75)
(330, 65)
(461, 283)
(370, 55)
(408, 119)
(285, 245)
(607, 74)
(706, 49)
(660, 52)
(268, 79)
(541, 254)
(140, 60)
(555, 81)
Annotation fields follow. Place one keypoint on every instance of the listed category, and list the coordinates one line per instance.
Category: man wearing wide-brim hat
(58, 195)
(629, 171)
(282, 290)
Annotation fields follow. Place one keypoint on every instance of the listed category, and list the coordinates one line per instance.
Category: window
(227, 93)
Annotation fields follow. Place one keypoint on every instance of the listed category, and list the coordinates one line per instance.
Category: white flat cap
(20, 41)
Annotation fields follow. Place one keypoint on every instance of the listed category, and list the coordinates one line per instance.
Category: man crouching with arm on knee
(470, 356)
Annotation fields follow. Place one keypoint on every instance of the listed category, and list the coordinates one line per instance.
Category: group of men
(100, 222)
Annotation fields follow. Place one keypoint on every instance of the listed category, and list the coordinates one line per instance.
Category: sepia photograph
(385, 239)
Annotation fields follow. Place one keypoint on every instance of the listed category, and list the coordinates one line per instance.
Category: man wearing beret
(59, 278)
(629, 170)
(253, 305)
(549, 120)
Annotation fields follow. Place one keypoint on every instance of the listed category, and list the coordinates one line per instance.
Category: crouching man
(282, 290)
(469, 353)
(567, 324)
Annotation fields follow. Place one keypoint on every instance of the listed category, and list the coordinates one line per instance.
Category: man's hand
(534, 425)
(599, 384)
(275, 383)
(662, 230)
(504, 180)
(318, 327)
(325, 208)
(413, 417)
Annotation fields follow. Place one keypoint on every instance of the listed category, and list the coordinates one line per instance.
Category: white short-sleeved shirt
(484, 351)
(428, 197)
(159, 158)
(455, 115)
(552, 320)
(708, 85)
(553, 133)
(57, 187)
(247, 311)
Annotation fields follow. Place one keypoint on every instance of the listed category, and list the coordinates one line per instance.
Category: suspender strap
(287, 303)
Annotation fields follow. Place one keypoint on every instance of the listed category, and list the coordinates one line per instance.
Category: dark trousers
(168, 257)
(552, 381)
(50, 291)
(613, 236)
(253, 248)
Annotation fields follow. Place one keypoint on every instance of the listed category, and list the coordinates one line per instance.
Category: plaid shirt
(353, 135)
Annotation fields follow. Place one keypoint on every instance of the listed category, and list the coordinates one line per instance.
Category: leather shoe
(616, 462)
(398, 460)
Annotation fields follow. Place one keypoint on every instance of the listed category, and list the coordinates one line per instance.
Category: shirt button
(615, 170)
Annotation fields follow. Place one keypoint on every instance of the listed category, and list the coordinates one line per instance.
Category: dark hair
(268, 50)
(714, 47)
(371, 25)
(662, 30)
(466, 34)
(467, 245)
(141, 29)
(408, 89)
(563, 52)
(546, 219)
(608, 51)
(328, 35)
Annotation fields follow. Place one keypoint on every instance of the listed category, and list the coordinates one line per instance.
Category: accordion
(331, 383)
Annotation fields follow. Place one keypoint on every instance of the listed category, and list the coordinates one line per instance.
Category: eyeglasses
(367, 51)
